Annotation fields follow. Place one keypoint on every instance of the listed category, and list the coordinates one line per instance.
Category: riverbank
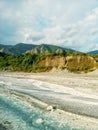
(65, 119)
(76, 94)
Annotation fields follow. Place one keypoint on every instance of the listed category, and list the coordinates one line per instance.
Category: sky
(67, 23)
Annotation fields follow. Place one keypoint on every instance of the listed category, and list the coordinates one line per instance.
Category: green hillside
(45, 62)
(22, 48)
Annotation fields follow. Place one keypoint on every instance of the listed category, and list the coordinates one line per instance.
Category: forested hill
(93, 52)
(76, 63)
(17, 49)
(22, 48)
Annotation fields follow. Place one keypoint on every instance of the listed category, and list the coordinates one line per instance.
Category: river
(19, 110)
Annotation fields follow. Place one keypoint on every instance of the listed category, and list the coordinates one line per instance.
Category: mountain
(17, 49)
(5, 49)
(45, 48)
(94, 52)
(5, 46)
(22, 48)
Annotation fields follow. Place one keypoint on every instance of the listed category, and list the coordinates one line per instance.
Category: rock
(39, 121)
(51, 108)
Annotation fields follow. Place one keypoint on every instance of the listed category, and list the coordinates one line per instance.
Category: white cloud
(61, 22)
(92, 47)
(75, 35)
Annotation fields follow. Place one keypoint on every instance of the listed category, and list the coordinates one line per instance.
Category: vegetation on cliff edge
(45, 62)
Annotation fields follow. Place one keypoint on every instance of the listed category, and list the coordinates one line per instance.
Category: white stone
(50, 108)
(39, 121)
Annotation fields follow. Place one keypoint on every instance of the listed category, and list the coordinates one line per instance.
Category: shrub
(79, 63)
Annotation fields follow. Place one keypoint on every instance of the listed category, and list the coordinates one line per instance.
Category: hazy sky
(68, 23)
